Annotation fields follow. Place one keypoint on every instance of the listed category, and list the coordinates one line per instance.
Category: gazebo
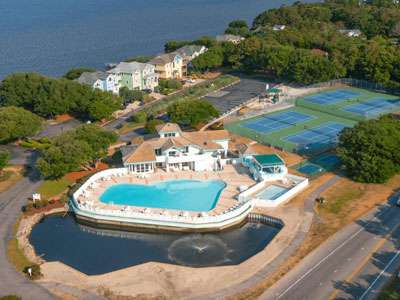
(268, 167)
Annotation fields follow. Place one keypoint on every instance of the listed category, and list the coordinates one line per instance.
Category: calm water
(52, 36)
(96, 251)
(192, 195)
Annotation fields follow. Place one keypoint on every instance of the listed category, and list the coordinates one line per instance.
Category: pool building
(185, 181)
(263, 167)
(175, 150)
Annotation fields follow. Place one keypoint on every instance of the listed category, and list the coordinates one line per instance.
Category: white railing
(299, 184)
(202, 220)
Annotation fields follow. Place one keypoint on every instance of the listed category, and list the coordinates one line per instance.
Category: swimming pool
(190, 195)
(272, 192)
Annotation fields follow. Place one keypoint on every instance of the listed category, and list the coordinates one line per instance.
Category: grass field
(321, 113)
(52, 188)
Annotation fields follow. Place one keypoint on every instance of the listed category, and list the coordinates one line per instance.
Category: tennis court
(373, 107)
(323, 135)
(311, 127)
(332, 97)
(269, 123)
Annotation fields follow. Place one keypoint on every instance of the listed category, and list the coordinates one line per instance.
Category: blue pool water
(191, 195)
(272, 192)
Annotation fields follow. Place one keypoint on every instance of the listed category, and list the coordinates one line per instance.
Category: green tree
(129, 96)
(4, 159)
(211, 59)
(191, 112)
(152, 124)
(49, 97)
(17, 123)
(75, 149)
(238, 27)
(139, 117)
(173, 45)
(77, 72)
(369, 150)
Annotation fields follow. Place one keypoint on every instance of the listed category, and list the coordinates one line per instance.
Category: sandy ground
(17, 175)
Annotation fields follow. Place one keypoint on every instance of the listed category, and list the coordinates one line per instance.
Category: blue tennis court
(269, 123)
(332, 97)
(323, 135)
(373, 107)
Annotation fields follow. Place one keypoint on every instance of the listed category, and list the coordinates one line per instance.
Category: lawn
(52, 188)
(15, 254)
(129, 126)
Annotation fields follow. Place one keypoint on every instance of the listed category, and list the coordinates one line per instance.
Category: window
(158, 152)
(172, 153)
(142, 168)
(186, 149)
(169, 134)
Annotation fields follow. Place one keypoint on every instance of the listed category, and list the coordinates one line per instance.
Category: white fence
(230, 216)
(300, 183)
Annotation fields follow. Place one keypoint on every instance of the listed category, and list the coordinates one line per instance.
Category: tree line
(311, 48)
(48, 97)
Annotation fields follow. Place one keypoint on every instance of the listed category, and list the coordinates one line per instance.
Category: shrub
(10, 297)
(40, 203)
(139, 117)
(4, 159)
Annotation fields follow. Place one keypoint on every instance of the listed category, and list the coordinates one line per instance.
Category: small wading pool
(191, 195)
(272, 192)
(98, 251)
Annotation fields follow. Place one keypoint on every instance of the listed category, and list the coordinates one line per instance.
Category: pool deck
(233, 176)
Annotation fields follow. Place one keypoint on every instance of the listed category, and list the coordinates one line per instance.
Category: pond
(97, 251)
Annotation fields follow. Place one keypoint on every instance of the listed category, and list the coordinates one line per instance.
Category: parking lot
(230, 97)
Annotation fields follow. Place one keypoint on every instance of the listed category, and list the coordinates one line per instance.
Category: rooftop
(91, 77)
(269, 159)
(206, 140)
(189, 50)
(129, 67)
(168, 127)
(163, 58)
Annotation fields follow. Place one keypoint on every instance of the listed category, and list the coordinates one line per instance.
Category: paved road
(374, 273)
(323, 273)
(11, 201)
(52, 130)
(237, 94)
(19, 155)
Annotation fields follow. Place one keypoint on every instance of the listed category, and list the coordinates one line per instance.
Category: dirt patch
(15, 174)
(62, 118)
(74, 176)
